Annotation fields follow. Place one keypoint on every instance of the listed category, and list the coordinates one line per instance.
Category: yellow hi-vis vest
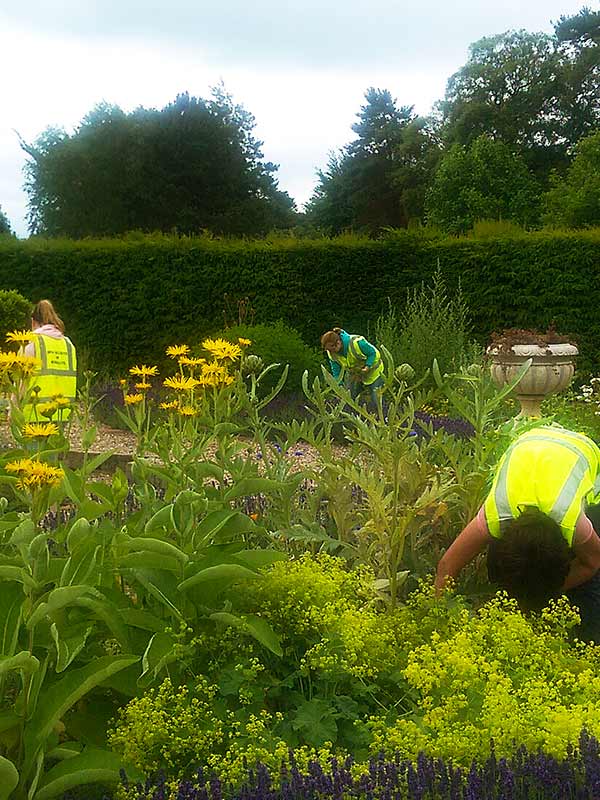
(56, 376)
(355, 359)
(552, 469)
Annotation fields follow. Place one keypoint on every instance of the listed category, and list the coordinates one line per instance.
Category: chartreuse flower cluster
(176, 729)
(500, 677)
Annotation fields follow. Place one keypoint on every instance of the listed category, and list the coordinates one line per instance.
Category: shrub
(15, 312)
(432, 324)
(278, 343)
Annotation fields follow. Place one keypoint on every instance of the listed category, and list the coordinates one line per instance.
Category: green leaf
(11, 600)
(61, 696)
(56, 600)
(255, 626)
(158, 654)
(91, 766)
(9, 778)
(162, 519)
(149, 561)
(158, 546)
(18, 574)
(21, 661)
(250, 486)
(257, 559)
(222, 572)
(142, 619)
(233, 523)
(74, 485)
(315, 720)
(79, 567)
(69, 643)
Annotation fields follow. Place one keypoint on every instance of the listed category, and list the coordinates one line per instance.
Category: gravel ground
(123, 443)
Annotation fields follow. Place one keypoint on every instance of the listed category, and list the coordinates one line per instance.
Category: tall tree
(537, 93)
(378, 179)
(4, 223)
(191, 166)
(574, 201)
(484, 180)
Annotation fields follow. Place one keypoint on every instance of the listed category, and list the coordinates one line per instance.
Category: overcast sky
(300, 68)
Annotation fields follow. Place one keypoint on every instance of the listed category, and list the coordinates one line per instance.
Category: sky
(300, 68)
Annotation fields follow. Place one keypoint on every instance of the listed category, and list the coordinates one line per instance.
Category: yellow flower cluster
(19, 365)
(33, 474)
(222, 350)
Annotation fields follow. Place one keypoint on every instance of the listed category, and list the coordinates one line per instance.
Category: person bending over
(539, 525)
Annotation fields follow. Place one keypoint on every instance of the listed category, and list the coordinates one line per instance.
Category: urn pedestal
(551, 371)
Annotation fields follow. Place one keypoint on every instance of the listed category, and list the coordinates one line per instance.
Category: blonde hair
(44, 314)
(330, 338)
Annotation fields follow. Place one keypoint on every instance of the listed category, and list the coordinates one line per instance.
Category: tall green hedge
(125, 300)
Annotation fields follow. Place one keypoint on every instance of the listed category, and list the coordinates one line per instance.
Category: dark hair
(531, 559)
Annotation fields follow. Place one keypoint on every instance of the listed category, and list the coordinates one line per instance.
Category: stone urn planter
(551, 370)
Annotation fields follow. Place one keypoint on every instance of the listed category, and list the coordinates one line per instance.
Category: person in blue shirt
(354, 361)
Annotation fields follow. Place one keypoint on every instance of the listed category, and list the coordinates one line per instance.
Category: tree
(193, 165)
(378, 179)
(4, 223)
(535, 92)
(574, 201)
(485, 180)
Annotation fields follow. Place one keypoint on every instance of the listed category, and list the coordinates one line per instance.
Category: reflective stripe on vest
(551, 469)
(56, 376)
(355, 358)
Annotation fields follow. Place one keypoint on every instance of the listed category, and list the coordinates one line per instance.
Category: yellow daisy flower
(132, 399)
(143, 386)
(62, 402)
(169, 406)
(188, 411)
(143, 371)
(26, 365)
(180, 384)
(244, 342)
(20, 337)
(40, 429)
(176, 350)
(186, 361)
(47, 409)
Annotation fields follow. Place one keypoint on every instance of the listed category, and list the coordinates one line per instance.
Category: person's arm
(472, 540)
(586, 562)
(336, 368)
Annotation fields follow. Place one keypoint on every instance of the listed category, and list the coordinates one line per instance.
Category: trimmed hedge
(124, 300)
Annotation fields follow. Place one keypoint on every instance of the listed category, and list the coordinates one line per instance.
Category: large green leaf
(61, 696)
(92, 766)
(21, 661)
(150, 545)
(69, 642)
(158, 654)
(163, 519)
(155, 584)
(257, 559)
(149, 561)
(11, 600)
(57, 599)
(255, 626)
(219, 523)
(249, 486)
(142, 619)
(226, 573)
(80, 566)
(9, 778)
